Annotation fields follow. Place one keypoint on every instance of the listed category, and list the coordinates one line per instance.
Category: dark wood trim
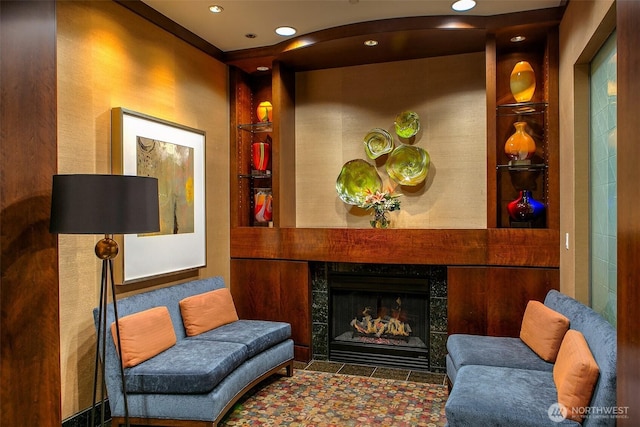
(520, 20)
(29, 304)
(527, 248)
(552, 128)
(492, 158)
(628, 40)
(503, 247)
(284, 147)
(423, 36)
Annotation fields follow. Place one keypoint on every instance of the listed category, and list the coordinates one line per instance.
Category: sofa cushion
(191, 366)
(257, 335)
(575, 374)
(206, 311)
(144, 335)
(543, 329)
(507, 352)
(498, 396)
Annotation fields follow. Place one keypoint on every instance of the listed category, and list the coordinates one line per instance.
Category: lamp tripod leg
(115, 313)
(100, 352)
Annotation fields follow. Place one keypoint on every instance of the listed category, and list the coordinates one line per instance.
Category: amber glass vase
(523, 82)
(520, 147)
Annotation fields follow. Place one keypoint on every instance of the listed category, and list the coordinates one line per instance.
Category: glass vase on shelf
(525, 207)
(262, 206)
(260, 154)
(522, 82)
(520, 147)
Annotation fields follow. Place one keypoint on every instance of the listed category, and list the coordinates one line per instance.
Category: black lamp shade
(104, 204)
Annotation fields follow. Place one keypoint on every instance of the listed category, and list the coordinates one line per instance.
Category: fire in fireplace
(387, 326)
(379, 320)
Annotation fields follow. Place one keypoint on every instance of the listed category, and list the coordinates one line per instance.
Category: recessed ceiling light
(286, 31)
(463, 5)
(516, 39)
(216, 8)
(371, 43)
(250, 36)
(262, 68)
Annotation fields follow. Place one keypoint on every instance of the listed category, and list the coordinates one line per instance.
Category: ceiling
(227, 30)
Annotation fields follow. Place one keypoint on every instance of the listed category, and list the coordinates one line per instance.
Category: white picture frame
(176, 248)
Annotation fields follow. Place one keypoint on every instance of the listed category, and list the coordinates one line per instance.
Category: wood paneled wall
(278, 291)
(628, 21)
(29, 326)
(491, 300)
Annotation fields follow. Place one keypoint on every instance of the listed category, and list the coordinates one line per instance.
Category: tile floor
(372, 371)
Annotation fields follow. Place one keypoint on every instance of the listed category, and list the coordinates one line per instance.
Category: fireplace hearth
(421, 291)
(379, 320)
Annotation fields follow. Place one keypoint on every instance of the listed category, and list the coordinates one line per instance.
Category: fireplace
(379, 319)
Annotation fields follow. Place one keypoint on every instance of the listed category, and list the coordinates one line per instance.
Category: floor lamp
(105, 204)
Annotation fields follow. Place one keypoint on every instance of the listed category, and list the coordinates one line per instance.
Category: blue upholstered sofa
(500, 381)
(197, 380)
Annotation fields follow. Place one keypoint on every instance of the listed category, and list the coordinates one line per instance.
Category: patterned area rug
(318, 399)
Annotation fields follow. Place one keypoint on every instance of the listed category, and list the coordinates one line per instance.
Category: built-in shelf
(521, 108)
(262, 127)
(255, 175)
(523, 168)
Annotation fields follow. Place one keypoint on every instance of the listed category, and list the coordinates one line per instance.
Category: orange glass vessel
(522, 82)
(520, 146)
(265, 112)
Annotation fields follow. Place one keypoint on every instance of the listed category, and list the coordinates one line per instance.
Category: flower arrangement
(381, 202)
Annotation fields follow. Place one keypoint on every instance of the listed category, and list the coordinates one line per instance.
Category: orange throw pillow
(575, 374)
(543, 329)
(203, 312)
(144, 335)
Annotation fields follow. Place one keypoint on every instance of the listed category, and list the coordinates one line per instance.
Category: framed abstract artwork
(175, 155)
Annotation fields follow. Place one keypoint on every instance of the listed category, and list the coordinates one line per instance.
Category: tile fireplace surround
(436, 276)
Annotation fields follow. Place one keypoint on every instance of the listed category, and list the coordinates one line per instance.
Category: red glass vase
(260, 152)
(525, 207)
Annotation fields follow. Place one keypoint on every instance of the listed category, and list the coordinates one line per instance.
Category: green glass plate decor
(357, 179)
(377, 143)
(408, 165)
(407, 124)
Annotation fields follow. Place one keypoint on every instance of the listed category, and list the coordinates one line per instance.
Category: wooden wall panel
(29, 319)
(500, 247)
(628, 21)
(275, 290)
(492, 300)
(284, 147)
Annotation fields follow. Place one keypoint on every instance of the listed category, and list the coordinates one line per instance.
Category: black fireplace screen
(379, 320)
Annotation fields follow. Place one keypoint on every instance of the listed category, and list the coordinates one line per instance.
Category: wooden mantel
(481, 247)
